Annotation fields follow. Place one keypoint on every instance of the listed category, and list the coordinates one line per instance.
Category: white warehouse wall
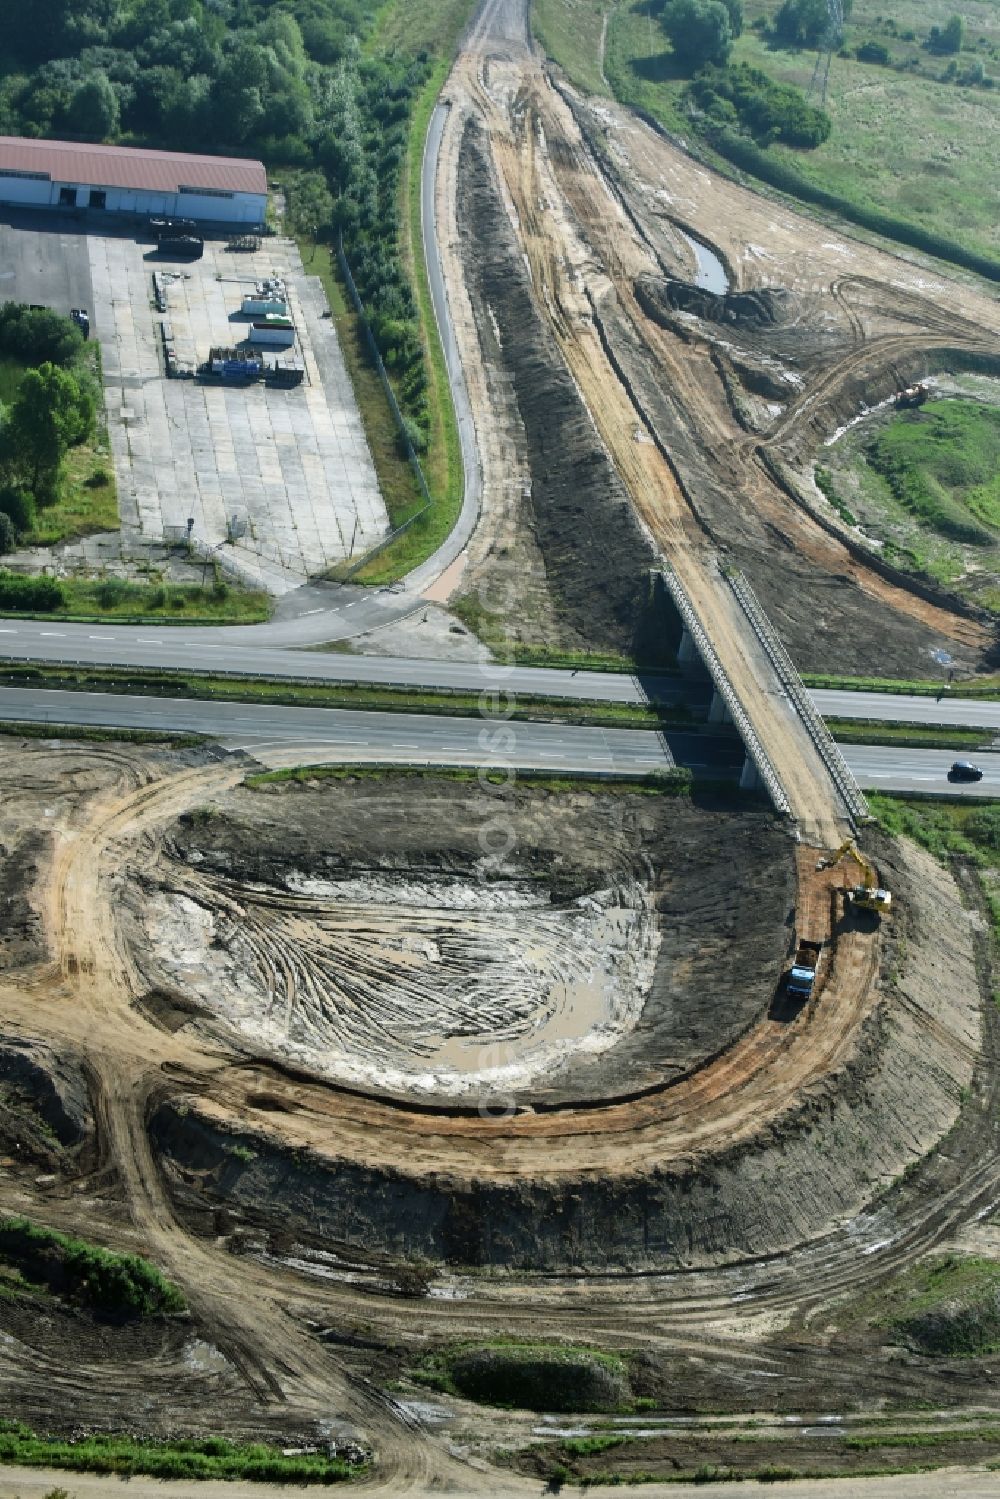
(241, 208)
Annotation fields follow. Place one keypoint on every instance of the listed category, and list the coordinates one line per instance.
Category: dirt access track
(707, 407)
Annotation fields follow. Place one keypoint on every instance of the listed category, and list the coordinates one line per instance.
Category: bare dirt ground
(292, 1211)
(709, 408)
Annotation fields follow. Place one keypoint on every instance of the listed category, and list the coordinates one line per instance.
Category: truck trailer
(801, 977)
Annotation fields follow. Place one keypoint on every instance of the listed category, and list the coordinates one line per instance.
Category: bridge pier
(718, 711)
(749, 776)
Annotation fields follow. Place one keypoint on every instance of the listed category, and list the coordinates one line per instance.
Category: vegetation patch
(204, 1458)
(908, 150)
(114, 598)
(943, 464)
(123, 1285)
(669, 783)
(53, 480)
(967, 830)
(948, 1307)
(531, 1376)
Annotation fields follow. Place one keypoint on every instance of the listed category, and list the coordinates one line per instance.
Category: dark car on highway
(964, 770)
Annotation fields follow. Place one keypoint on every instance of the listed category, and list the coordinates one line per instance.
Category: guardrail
(725, 689)
(840, 773)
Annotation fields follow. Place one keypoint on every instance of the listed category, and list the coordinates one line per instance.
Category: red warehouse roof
(124, 166)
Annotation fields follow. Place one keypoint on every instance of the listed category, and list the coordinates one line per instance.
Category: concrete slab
(291, 468)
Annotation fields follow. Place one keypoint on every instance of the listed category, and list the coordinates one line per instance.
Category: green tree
(699, 31)
(52, 412)
(953, 35)
(804, 23)
(311, 206)
(93, 109)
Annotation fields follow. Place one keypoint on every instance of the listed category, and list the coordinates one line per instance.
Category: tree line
(54, 409)
(175, 73)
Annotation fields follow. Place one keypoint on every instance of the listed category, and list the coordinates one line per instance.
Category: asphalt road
(251, 650)
(401, 738)
(881, 768)
(415, 738)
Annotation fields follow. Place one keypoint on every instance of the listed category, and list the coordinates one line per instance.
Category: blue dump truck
(801, 976)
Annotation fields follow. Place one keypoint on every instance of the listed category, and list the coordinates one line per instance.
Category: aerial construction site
(420, 1084)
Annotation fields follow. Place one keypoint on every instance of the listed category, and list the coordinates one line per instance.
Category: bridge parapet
(840, 773)
(760, 767)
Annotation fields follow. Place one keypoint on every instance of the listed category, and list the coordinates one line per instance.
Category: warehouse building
(123, 179)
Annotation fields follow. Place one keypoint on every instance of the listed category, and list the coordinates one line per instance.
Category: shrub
(766, 110)
(30, 595)
(873, 52)
(18, 505)
(112, 593)
(124, 1284)
(37, 335)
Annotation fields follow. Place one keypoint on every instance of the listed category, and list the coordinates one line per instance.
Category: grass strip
(204, 1458)
(675, 782)
(396, 480)
(908, 735)
(102, 601)
(13, 729)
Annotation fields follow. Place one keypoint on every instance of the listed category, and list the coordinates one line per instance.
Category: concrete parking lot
(291, 467)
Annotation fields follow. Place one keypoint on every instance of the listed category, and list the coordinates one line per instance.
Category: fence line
(411, 452)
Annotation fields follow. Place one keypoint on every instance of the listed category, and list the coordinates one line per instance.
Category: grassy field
(925, 485)
(87, 503)
(183, 603)
(572, 31)
(903, 141)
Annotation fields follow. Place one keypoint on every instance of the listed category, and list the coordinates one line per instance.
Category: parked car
(964, 770)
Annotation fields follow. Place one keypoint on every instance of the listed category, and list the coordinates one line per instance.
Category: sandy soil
(283, 1205)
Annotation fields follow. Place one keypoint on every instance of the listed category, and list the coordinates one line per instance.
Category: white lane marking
(406, 746)
(312, 611)
(352, 604)
(149, 642)
(101, 637)
(8, 632)
(52, 634)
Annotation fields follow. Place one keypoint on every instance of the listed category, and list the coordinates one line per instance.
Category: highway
(320, 734)
(244, 650)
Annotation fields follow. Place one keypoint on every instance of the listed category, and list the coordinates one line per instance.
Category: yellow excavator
(869, 895)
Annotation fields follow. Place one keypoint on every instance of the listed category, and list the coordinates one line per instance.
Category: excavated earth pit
(358, 930)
